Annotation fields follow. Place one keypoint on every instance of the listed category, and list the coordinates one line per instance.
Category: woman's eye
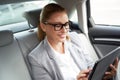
(57, 25)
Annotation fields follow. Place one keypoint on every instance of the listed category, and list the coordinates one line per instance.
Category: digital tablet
(103, 64)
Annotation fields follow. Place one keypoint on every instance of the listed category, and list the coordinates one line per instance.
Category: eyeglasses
(58, 27)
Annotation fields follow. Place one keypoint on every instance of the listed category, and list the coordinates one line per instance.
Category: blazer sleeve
(38, 72)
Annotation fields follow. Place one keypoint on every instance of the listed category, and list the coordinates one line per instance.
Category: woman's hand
(83, 75)
(113, 70)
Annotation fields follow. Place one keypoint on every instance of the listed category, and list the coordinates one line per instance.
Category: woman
(56, 57)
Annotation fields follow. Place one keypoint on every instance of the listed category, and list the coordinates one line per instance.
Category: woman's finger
(83, 74)
(116, 62)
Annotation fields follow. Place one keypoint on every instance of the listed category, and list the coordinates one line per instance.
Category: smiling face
(52, 35)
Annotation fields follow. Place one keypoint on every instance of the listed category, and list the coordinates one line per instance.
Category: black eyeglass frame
(58, 26)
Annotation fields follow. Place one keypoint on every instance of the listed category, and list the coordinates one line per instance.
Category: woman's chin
(62, 39)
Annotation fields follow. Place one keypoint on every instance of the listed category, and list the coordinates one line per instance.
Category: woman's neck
(58, 46)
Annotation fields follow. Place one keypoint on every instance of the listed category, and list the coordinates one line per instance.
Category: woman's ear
(43, 27)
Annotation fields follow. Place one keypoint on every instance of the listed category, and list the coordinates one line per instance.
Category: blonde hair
(45, 14)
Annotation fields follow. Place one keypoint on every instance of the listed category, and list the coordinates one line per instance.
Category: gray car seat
(12, 65)
(27, 41)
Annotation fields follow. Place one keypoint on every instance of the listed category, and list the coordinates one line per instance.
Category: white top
(66, 64)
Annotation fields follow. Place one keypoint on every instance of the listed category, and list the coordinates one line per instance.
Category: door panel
(104, 39)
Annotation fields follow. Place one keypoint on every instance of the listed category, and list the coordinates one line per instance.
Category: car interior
(17, 40)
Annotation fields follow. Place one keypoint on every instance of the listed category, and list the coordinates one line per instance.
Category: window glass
(106, 11)
(12, 13)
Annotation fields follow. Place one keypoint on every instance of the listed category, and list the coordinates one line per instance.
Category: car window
(106, 11)
(11, 15)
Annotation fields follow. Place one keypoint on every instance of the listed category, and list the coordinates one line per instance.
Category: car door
(104, 25)
(105, 38)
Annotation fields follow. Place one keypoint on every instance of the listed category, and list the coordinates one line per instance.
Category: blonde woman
(56, 57)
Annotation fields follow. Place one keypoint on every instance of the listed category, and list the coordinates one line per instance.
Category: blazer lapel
(74, 53)
(51, 55)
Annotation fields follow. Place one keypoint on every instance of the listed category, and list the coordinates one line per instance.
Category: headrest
(33, 17)
(6, 37)
(74, 27)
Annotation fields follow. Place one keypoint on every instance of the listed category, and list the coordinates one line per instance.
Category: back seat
(12, 64)
(14, 49)
(27, 41)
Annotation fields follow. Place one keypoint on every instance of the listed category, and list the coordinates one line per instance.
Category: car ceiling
(62, 2)
(12, 1)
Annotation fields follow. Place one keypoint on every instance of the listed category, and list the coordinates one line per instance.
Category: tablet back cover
(102, 65)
